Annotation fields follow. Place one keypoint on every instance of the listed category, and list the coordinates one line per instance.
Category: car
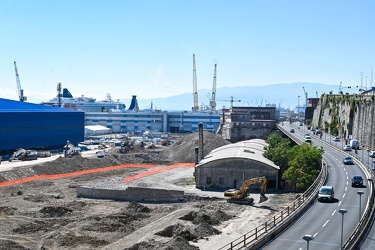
(313, 129)
(348, 160)
(291, 130)
(347, 148)
(307, 134)
(357, 181)
(372, 154)
(301, 124)
(326, 193)
(307, 138)
(336, 139)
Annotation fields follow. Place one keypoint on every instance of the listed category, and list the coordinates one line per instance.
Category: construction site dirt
(39, 207)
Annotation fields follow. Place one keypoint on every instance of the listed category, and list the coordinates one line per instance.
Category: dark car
(357, 181)
(326, 193)
(348, 160)
(291, 130)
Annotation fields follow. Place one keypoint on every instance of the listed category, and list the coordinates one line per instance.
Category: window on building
(208, 180)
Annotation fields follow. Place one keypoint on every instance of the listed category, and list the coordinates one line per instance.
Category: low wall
(131, 194)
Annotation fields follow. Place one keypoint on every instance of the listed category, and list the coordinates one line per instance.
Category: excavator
(240, 196)
(24, 155)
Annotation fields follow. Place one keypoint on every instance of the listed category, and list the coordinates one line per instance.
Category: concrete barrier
(131, 194)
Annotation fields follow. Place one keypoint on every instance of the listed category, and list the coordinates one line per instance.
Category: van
(326, 193)
(354, 144)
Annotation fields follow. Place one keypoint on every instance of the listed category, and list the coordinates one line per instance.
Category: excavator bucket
(263, 198)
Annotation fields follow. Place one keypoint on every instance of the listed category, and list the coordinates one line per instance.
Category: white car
(347, 148)
(372, 154)
(336, 139)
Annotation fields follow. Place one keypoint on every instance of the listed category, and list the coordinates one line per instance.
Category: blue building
(162, 121)
(27, 125)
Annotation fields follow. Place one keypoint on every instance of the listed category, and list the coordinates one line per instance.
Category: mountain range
(285, 95)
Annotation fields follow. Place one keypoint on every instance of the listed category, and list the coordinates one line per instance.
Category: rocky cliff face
(347, 116)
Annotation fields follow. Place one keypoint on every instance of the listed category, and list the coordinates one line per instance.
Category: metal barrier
(263, 233)
(357, 236)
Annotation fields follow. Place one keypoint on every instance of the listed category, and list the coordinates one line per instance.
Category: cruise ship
(83, 103)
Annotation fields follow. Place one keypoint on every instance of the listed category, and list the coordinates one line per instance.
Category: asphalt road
(322, 220)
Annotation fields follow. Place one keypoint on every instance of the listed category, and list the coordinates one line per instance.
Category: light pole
(307, 238)
(360, 194)
(342, 211)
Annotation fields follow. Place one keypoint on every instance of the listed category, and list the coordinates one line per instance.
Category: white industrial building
(228, 166)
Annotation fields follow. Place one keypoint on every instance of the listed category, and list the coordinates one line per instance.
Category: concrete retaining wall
(131, 194)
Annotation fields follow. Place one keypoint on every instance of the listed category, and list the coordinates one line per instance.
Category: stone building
(244, 123)
(230, 165)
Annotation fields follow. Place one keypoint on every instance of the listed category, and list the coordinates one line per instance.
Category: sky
(146, 47)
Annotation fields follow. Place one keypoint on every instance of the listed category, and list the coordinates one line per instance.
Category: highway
(322, 220)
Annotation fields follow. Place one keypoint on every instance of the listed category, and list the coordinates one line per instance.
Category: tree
(303, 166)
(277, 150)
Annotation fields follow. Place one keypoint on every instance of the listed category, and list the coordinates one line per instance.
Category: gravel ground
(46, 214)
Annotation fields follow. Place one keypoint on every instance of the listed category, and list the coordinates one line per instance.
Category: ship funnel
(134, 103)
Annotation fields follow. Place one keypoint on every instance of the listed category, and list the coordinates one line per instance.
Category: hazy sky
(145, 48)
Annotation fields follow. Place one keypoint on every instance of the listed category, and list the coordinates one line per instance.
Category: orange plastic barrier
(98, 170)
(88, 171)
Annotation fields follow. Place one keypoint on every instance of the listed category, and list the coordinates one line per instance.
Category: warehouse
(27, 125)
(228, 166)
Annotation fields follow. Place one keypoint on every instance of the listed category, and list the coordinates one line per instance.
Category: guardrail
(359, 233)
(265, 232)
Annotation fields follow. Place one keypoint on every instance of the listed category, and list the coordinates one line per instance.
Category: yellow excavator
(240, 196)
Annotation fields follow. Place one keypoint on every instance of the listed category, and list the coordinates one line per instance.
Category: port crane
(20, 90)
(231, 101)
(195, 89)
(304, 91)
(213, 95)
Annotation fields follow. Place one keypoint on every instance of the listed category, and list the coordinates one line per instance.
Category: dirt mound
(7, 244)
(7, 211)
(202, 216)
(138, 208)
(177, 243)
(184, 149)
(55, 211)
(71, 240)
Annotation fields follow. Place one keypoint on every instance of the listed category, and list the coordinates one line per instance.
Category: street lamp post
(360, 194)
(342, 211)
(307, 238)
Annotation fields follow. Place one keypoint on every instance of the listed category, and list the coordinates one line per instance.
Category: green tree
(303, 166)
(277, 151)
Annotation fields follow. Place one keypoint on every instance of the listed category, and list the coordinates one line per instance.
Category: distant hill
(283, 94)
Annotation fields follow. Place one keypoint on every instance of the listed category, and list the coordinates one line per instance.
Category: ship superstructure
(83, 103)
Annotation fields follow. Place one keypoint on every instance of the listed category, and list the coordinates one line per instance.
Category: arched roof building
(228, 166)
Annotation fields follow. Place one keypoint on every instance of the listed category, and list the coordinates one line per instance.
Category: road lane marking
(334, 212)
(325, 223)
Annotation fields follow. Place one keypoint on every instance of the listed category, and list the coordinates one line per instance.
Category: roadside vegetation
(299, 165)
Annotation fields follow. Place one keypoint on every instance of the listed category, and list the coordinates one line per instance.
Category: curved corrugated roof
(249, 149)
(17, 106)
